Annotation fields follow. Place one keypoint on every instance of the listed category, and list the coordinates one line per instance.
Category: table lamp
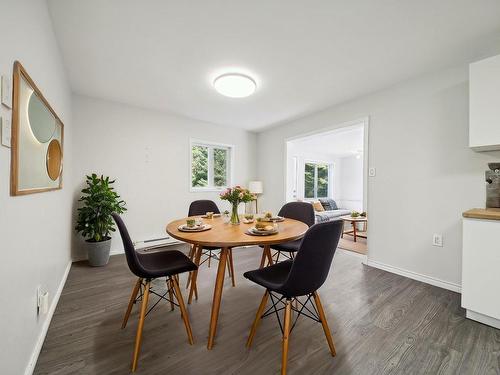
(255, 187)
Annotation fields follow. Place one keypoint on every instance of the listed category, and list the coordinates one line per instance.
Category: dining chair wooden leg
(190, 275)
(263, 258)
(219, 285)
(267, 248)
(228, 269)
(258, 317)
(138, 337)
(131, 302)
(286, 335)
(170, 293)
(182, 307)
(192, 254)
(231, 266)
(193, 288)
(324, 323)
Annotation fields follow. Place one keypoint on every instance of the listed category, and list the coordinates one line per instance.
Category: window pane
(220, 167)
(199, 168)
(309, 180)
(322, 181)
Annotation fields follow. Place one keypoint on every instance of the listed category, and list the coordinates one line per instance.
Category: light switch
(372, 172)
(6, 131)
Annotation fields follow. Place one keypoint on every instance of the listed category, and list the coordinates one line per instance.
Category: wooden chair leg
(263, 258)
(138, 337)
(258, 317)
(228, 269)
(192, 252)
(193, 288)
(324, 323)
(170, 293)
(286, 334)
(135, 291)
(269, 255)
(184, 313)
(231, 266)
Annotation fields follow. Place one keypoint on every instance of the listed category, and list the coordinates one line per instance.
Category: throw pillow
(328, 204)
(318, 207)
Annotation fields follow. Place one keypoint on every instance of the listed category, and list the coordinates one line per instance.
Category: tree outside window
(316, 180)
(210, 166)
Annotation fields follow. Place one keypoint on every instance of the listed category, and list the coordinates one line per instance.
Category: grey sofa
(332, 212)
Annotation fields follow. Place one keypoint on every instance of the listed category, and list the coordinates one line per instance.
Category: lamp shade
(255, 187)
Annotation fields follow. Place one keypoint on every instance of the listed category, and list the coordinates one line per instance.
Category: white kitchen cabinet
(484, 104)
(481, 270)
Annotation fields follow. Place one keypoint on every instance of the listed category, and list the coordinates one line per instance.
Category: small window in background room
(316, 180)
(210, 166)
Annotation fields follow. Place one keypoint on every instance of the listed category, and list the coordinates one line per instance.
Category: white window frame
(330, 178)
(229, 168)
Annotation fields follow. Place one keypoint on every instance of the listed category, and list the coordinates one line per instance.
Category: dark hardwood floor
(381, 323)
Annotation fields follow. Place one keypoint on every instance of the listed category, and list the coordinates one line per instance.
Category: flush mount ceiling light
(235, 85)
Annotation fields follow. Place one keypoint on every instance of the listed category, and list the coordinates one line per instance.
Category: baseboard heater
(155, 243)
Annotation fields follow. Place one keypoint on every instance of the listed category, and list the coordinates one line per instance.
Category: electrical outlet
(42, 301)
(372, 172)
(38, 294)
(437, 240)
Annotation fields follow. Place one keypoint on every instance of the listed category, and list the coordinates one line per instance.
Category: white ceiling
(337, 143)
(304, 55)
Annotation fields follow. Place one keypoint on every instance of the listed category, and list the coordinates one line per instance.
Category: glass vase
(235, 218)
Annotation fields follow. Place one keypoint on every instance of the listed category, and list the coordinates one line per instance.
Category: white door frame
(365, 121)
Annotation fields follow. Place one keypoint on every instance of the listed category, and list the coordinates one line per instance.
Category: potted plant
(235, 196)
(94, 221)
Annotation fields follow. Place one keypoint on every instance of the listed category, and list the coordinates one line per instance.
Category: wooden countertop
(483, 213)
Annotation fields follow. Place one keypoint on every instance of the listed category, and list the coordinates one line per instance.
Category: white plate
(255, 232)
(198, 228)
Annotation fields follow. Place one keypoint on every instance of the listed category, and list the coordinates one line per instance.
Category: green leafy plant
(355, 214)
(100, 200)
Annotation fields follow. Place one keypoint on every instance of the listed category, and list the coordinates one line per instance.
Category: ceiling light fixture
(235, 85)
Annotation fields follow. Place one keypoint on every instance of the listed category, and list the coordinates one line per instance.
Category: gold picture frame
(37, 139)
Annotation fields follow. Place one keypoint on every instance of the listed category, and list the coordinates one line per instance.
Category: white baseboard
(416, 276)
(361, 257)
(38, 346)
(116, 251)
(481, 318)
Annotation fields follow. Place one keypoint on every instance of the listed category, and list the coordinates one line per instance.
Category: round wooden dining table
(226, 236)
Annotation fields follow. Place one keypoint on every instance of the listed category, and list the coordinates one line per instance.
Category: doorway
(329, 168)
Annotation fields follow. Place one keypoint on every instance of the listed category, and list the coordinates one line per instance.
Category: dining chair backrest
(301, 211)
(202, 206)
(313, 260)
(130, 253)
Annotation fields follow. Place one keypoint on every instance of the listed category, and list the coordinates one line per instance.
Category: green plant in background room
(95, 223)
(235, 196)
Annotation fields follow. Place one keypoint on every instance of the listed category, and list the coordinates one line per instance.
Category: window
(316, 180)
(210, 166)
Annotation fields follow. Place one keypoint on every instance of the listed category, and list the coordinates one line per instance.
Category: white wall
(148, 154)
(350, 183)
(426, 174)
(34, 229)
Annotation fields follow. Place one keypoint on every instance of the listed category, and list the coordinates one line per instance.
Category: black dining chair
(196, 208)
(298, 277)
(301, 211)
(149, 266)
